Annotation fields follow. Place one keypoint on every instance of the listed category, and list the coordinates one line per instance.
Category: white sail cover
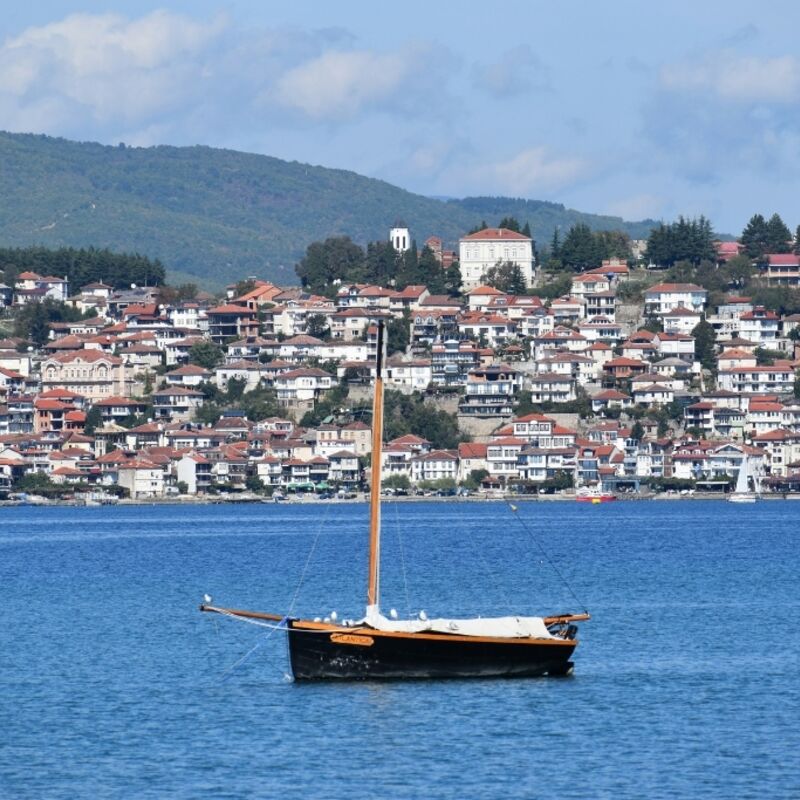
(496, 627)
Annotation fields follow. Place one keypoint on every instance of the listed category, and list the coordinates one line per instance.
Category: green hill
(214, 216)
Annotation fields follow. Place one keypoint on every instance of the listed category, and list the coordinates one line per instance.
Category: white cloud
(341, 84)
(106, 77)
(531, 172)
(517, 71)
(737, 78)
(727, 113)
(104, 66)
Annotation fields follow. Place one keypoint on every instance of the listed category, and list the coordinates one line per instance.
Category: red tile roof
(490, 234)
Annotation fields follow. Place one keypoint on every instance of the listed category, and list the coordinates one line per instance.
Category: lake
(115, 686)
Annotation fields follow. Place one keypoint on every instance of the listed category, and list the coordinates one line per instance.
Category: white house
(302, 387)
(409, 376)
(757, 380)
(680, 320)
(141, 478)
(760, 326)
(480, 251)
(434, 466)
(665, 297)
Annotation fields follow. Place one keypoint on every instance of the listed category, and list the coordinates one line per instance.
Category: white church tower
(400, 237)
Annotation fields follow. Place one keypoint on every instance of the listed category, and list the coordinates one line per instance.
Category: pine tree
(779, 237)
(704, 344)
(580, 250)
(431, 271)
(509, 223)
(452, 279)
(754, 236)
(796, 249)
(555, 245)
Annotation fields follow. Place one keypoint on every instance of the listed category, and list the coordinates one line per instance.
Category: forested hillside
(215, 215)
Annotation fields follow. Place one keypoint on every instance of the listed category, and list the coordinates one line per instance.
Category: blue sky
(623, 107)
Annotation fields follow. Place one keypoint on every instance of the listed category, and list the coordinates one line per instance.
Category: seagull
(393, 613)
(207, 598)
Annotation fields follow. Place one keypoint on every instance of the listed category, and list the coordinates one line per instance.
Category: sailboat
(379, 647)
(742, 493)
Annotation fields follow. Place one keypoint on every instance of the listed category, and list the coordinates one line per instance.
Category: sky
(622, 107)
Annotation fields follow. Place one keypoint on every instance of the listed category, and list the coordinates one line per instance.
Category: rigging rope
(282, 624)
(402, 556)
(515, 512)
(260, 643)
(310, 557)
(486, 566)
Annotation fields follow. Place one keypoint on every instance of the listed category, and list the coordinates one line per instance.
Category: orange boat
(595, 497)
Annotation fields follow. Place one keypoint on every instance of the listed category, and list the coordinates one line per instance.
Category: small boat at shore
(594, 496)
(741, 492)
(380, 647)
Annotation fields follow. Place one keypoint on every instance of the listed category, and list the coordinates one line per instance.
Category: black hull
(364, 654)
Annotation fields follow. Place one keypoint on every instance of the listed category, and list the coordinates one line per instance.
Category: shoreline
(36, 501)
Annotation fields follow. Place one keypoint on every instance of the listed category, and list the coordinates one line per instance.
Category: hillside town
(266, 390)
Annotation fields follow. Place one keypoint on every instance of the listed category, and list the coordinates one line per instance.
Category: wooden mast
(375, 480)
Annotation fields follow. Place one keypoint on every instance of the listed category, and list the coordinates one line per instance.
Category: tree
(431, 273)
(169, 295)
(796, 388)
(32, 321)
(409, 272)
(325, 264)
(613, 244)
(475, 478)
(93, 421)
(148, 383)
(260, 403)
(398, 333)
(254, 484)
(318, 325)
(555, 246)
(506, 277)
(206, 354)
(796, 249)
(637, 431)
(779, 237)
(766, 357)
(327, 406)
(510, 223)
(705, 339)
(382, 263)
(396, 482)
(34, 482)
(83, 266)
(452, 279)
(755, 236)
(235, 389)
(579, 250)
(684, 240)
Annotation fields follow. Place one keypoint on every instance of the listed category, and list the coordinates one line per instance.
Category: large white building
(480, 251)
(666, 297)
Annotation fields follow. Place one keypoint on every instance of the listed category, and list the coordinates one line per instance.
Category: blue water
(114, 686)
